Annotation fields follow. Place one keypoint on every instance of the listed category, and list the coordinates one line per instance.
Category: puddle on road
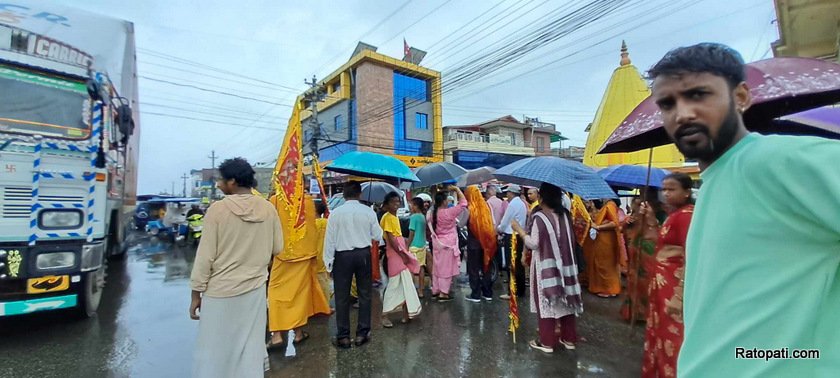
(589, 368)
(163, 259)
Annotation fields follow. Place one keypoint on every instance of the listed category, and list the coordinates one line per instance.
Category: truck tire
(114, 246)
(90, 291)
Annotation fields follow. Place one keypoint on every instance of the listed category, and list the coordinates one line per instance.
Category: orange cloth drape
(481, 224)
(602, 255)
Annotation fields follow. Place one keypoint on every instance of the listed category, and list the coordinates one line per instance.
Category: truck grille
(49, 198)
(17, 202)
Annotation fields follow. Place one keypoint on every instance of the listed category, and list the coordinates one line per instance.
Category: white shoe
(504, 296)
(542, 348)
(488, 299)
(567, 345)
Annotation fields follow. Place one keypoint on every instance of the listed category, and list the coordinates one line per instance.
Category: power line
(196, 102)
(213, 91)
(415, 22)
(204, 112)
(489, 62)
(159, 76)
(207, 67)
(365, 34)
(273, 86)
(208, 120)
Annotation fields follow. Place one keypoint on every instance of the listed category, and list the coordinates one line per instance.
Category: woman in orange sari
(664, 332)
(601, 250)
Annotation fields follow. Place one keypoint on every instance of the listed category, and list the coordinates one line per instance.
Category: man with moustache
(763, 251)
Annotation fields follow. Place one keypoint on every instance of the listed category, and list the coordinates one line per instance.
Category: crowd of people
(655, 251)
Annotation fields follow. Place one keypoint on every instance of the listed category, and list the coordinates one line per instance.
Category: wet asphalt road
(143, 329)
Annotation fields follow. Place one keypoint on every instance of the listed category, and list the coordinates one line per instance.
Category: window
(421, 121)
(338, 124)
(540, 144)
(512, 139)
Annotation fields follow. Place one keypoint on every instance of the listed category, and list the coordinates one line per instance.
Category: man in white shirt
(516, 210)
(347, 242)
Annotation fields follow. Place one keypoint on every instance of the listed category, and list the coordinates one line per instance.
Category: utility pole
(173, 188)
(314, 96)
(185, 177)
(213, 174)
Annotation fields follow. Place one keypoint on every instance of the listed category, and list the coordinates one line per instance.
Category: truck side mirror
(125, 122)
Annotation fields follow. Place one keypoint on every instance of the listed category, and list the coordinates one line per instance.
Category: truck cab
(63, 133)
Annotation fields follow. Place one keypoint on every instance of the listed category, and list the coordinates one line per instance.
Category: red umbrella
(779, 86)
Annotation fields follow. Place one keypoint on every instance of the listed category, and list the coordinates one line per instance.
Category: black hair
(352, 190)
(390, 196)
(714, 58)
(238, 170)
(685, 182)
(418, 203)
(320, 208)
(598, 203)
(552, 196)
(440, 199)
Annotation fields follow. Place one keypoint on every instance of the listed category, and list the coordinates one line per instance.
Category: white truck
(69, 138)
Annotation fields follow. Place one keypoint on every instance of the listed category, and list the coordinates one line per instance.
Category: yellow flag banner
(289, 194)
(306, 246)
(319, 175)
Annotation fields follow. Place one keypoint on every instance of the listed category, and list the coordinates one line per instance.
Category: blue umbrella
(568, 175)
(633, 176)
(372, 165)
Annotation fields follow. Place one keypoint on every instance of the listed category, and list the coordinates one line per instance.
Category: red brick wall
(374, 98)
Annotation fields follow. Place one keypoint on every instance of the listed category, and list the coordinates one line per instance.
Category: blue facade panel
(407, 87)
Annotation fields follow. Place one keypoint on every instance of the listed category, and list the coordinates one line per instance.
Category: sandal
(303, 337)
(405, 320)
(387, 323)
(275, 346)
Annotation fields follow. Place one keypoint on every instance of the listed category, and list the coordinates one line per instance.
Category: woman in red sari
(664, 333)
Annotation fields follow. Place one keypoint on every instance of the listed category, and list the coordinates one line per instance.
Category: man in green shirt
(762, 279)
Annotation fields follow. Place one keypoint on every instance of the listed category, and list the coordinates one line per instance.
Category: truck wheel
(493, 271)
(113, 246)
(90, 291)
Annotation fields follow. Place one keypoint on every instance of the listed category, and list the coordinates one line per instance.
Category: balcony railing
(495, 139)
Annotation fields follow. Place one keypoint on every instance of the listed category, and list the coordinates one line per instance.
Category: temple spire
(625, 56)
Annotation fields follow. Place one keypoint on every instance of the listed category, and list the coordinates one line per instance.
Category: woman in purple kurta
(447, 255)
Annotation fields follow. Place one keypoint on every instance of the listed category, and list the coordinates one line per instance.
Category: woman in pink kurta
(447, 255)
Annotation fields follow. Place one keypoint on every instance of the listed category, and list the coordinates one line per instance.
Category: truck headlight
(55, 260)
(60, 219)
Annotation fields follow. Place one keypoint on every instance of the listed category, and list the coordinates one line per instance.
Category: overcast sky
(221, 45)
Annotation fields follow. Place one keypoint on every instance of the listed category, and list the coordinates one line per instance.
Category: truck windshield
(44, 105)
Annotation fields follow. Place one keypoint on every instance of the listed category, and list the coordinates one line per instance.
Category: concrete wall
(411, 131)
(326, 118)
(374, 104)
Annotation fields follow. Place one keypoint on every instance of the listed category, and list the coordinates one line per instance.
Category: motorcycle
(195, 224)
